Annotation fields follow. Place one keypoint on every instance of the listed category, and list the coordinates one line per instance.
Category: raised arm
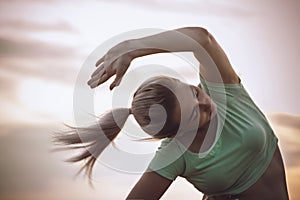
(222, 65)
(189, 39)
(150, 186)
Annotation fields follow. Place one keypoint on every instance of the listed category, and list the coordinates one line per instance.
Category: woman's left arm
(150, 186)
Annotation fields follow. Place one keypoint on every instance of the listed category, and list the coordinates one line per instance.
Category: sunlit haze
(44, 44)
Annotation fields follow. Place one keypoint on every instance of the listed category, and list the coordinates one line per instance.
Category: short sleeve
(220, 92)
(168, 160)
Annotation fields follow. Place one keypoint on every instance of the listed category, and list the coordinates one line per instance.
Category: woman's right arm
(189, 39)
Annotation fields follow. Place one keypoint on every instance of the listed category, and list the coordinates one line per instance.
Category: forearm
(188, 39)
(150, 186)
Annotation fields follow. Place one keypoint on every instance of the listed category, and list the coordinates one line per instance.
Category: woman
(213, 134)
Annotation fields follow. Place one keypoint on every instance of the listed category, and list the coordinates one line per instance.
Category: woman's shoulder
(169, 144)
(170, 148)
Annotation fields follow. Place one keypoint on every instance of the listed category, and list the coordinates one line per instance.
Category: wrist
(136, 48)
(143, 47)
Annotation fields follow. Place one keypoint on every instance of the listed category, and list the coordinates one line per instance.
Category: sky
(46, 44)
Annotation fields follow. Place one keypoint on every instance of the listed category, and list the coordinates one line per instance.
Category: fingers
(101, 74)
(97, 82)
(97, 74)
(100, 61)
(98, 71)
(115, 83)
(98, 78)
(119, 75)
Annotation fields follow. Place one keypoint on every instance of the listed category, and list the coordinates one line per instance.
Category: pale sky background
(43, 45)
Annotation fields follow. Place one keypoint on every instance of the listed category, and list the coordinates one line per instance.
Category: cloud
(32, 46)
(286, 120)
(28, 169)
(208, 8)
(27, 58)
(23, 56)
(33, 49)
(22, 162)
(23, 17)
(293, 181)
(24, 59)
(287, 128)
(8, 99)
(21, 26)
(8, 86)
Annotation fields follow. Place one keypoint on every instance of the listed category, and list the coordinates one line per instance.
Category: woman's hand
(115, 62)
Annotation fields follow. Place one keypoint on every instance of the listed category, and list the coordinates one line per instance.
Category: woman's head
(162, 105)
(154, 107)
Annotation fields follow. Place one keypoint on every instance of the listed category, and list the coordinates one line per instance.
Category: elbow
(202, 35)
(199, 34)
(200, 30)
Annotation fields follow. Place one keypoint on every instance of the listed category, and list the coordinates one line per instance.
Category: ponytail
(92, 139)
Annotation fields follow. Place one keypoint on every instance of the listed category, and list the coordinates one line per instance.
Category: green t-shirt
(242, 150)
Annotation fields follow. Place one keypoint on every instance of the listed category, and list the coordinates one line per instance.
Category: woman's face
(195, 106)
